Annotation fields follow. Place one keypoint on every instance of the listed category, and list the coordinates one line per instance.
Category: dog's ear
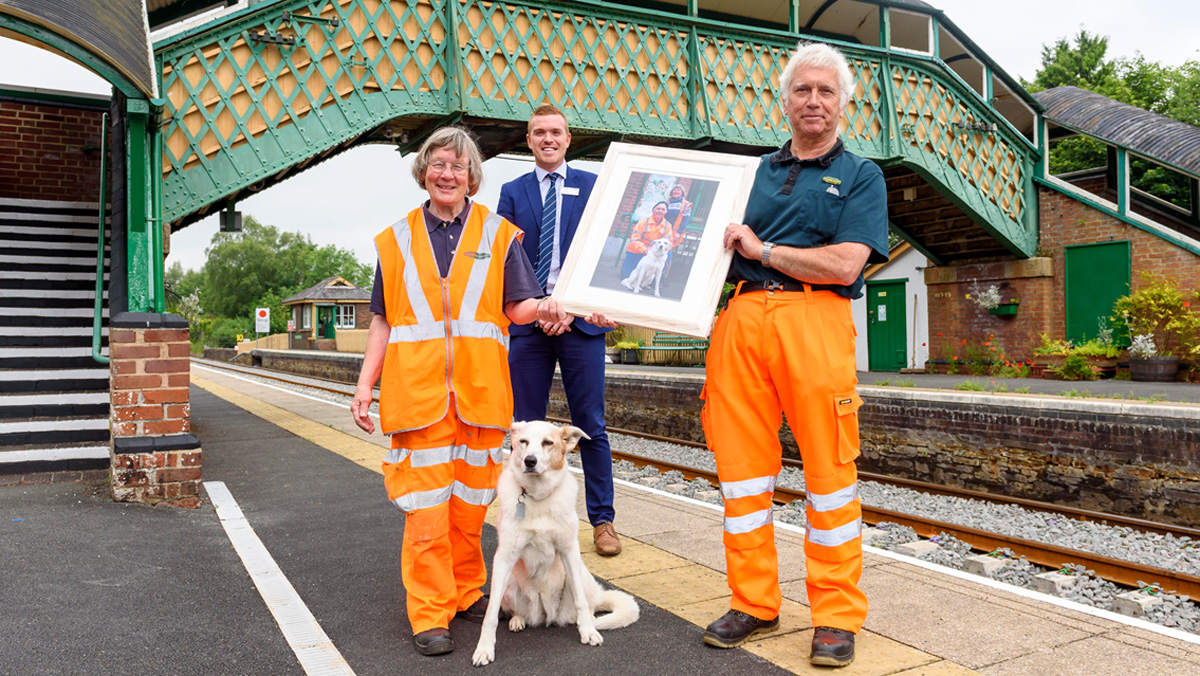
(516, 428)
(570, 436)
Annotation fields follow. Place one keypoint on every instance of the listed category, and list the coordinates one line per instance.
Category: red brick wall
(954, 318)
(1066, 221)
(42, 152)
(149, 396)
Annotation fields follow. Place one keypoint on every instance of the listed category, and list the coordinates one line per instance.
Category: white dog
(650, 268)
(538, 573)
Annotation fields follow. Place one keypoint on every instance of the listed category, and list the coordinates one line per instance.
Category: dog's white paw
(590, 636)
(484, 654)
(517, 623)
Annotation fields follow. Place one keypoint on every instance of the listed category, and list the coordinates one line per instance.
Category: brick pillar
(155, 457)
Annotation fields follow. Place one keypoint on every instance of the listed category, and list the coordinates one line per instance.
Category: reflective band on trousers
(836, 536)
(731, 490)
(428, 457)
(832, 501)
(481, 497)
(736, 525)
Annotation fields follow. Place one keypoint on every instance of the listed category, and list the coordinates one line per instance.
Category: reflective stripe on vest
(833, 501)
(736, 525)
(835, 536)
(428, 457)
(428, 328)
(731, 490)
(480, 497)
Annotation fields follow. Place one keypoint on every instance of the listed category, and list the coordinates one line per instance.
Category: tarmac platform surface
(89, 586)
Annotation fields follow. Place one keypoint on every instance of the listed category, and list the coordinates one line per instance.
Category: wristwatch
(766, 254)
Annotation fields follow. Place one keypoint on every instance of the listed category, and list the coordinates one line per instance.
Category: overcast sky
(351, 197)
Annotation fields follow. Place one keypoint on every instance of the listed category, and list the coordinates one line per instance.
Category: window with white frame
(307, 323)
(345, 316)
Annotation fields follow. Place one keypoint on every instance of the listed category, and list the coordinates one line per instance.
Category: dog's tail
(623, 610)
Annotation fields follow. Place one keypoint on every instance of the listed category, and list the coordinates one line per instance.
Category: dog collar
(521, 505)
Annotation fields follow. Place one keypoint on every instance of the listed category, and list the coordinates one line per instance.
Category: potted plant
(1050, 352)
(629, 350)
(1159, 319)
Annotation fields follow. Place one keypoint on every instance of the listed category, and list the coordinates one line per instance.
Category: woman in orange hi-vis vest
(451, 277)
(650, 228)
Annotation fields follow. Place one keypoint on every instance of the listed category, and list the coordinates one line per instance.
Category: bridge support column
(155, 457)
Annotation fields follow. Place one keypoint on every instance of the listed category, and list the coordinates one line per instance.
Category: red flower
(1185, 304)
(955, 357)
(988, 343)
(964, 341)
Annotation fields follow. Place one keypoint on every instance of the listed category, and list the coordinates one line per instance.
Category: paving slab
(1094, 656)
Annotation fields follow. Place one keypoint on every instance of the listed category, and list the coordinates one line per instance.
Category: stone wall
(1135, 459)
(332, 365)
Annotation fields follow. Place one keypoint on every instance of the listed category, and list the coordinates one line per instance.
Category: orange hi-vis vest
(449, 335)
(645, 232)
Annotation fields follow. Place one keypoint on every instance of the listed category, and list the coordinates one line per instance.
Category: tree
(1082, 65)
(263, 262)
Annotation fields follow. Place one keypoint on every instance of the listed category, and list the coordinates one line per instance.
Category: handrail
(101, 359)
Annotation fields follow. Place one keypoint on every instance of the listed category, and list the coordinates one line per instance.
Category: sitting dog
(538, 573)
(650, 268)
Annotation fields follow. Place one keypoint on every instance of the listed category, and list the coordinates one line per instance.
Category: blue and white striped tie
(547, 234)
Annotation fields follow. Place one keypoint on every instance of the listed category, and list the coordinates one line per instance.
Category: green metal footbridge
(263, 92)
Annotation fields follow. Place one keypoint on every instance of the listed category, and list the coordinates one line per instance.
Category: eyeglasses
(439, 167)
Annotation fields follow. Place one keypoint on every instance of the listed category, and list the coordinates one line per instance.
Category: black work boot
(476, 612)
(434, 641)
(832, 647)
(735, 628)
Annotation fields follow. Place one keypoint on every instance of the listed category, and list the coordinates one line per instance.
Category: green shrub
(224, 331)
(970, 386)
(1047, 346)
(1076, 367)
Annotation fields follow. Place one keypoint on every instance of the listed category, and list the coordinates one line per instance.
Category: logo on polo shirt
(833, 184)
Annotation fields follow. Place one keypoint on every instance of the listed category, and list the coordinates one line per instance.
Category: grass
(970, 386)
(883, 383)
(1074, 393)
(905, 383)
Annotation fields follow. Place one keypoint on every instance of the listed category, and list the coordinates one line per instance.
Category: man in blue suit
(547, 203)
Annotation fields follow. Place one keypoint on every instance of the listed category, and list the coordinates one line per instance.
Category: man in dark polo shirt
(817, 216)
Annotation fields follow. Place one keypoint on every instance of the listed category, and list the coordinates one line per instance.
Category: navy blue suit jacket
(521, 204)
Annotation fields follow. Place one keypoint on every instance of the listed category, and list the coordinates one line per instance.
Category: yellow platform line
(688, 590)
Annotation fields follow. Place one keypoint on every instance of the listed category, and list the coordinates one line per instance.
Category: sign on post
(262, 320)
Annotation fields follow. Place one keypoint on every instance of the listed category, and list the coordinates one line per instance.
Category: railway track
(1121, 572)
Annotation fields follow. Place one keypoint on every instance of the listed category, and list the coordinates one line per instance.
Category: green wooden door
(1096, 276)
(886, 322)
(327, 330)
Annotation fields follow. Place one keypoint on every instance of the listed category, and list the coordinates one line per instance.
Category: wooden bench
(671, 348)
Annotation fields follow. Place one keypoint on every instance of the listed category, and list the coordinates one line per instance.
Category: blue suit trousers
(531, 360)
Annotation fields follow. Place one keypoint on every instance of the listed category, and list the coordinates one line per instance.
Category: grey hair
(818, 55)
(462, 143)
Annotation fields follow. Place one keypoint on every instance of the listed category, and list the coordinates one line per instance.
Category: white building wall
(916, 335)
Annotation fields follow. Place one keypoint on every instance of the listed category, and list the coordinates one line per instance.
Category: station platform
(93, 586)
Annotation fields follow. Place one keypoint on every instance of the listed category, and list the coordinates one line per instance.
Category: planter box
(1154, 369)
(1004, 310)
(629, 356)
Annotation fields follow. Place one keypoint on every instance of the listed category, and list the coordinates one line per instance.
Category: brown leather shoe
(735, 628)
(605, 537)
(832, 647)
(434, 641)
(476, 611)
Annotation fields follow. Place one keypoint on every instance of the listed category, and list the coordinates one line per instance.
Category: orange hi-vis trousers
(443, 477)
(775, 353)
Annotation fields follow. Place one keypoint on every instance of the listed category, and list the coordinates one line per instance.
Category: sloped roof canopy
(112, 32)
(1156, 136)
(330, 289)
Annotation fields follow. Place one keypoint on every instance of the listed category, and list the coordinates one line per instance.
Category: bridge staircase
(54, 397)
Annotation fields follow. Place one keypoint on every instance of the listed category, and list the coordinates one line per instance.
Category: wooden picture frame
(614, 267)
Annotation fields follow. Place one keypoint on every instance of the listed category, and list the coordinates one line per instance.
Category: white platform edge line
(304, 634)
(970, 577)
(960, 574)
(47, 204)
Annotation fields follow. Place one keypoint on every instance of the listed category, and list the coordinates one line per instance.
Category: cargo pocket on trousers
(846, 405)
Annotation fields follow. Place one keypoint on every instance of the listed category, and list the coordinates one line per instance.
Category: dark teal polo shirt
(838, 197)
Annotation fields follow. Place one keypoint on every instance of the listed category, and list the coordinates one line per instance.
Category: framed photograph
(649, 251)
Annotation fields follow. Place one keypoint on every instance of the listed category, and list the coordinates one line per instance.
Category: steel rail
(1125, 573)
